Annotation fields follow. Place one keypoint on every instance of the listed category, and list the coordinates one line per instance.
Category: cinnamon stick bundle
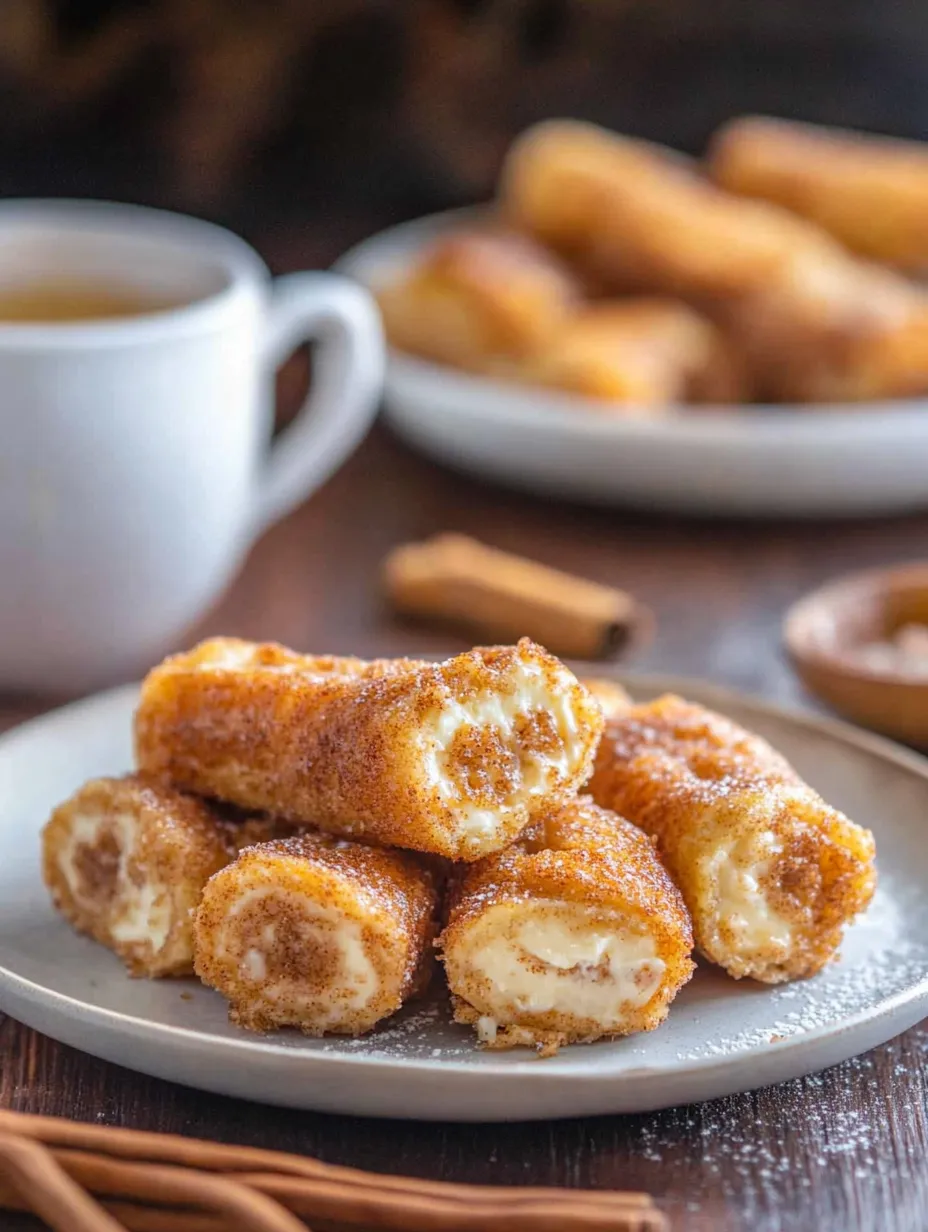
(164, 1183)
(502, 597)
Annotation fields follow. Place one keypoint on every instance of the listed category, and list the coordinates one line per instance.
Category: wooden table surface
(843, 1151)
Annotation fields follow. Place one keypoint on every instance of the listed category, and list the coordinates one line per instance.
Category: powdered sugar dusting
(714, 1016)
(880, 958)
(422, 1030)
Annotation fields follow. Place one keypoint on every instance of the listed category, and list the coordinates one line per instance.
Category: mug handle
(347, 380)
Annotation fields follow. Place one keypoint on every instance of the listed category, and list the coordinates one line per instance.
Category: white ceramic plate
(721, 1036)
(808, 461)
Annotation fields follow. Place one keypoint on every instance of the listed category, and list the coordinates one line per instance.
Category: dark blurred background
(317, 121)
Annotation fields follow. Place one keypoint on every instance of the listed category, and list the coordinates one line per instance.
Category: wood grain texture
(845, 1151)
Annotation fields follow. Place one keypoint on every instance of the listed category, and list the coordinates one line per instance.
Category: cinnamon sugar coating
(453, 758)
(317, 933)
(574, 932)
(636, 216)
(803, 317)
(641, 352)
(125, 860)
(770, 872)
(481, 300)
(869, 192)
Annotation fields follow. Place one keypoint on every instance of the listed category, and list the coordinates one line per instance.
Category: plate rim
(27, 992)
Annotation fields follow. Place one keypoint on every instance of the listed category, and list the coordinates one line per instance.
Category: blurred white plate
(819, 461)
(721, 1036)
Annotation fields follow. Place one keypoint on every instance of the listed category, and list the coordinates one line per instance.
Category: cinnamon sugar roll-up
(637, 216)
(810, 321)
(479, 300)
(574, 932)
(126, 859)
(452, 758)
(317, 933)
(870, 192)
(830, 328)
(642, 354)
(771, 874)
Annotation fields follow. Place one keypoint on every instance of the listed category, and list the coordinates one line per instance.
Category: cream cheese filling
(540, 958)
(146, 916)
(737, 871)
(502, 711)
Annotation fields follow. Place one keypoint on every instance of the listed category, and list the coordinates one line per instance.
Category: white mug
(136, 465)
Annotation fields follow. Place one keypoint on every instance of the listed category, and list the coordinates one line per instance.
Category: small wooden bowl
(823, 630)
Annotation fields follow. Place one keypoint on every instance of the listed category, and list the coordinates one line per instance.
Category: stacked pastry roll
(574, 932)
(126, 859)
(454, 758)
(318, 933)
(303, 831)
(288, 829)
(869, 192)
(770, 873)
(811, 320)
(788, 266)
(498, 303)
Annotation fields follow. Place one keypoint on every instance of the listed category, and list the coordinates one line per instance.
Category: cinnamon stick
(128, 1164)
(33, 1173)
(501, 597)
(138, 1218)
(163, 1183)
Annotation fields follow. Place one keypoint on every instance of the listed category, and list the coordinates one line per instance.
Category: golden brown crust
(705, 788)
(317, 933)
(806, 320)
(122, 854)
(478, 297)
(637, 216)
(579, 856)
(828, 328)
(870, 192)
(641, 352)
(415, 755)
(579, 853)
